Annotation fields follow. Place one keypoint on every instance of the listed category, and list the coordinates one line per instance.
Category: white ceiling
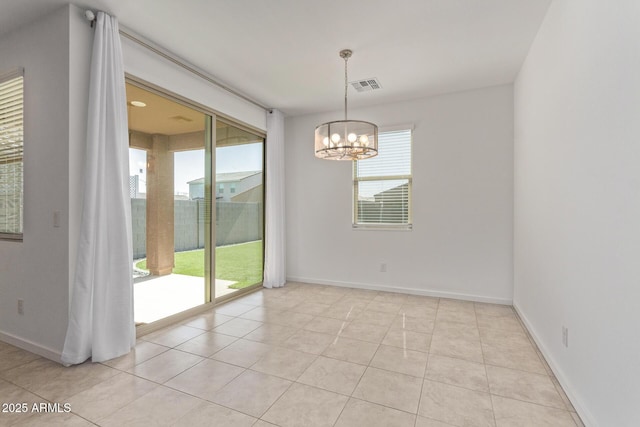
(284, 53)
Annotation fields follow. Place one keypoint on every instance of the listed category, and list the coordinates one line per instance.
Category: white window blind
(11, 152)
(382, 184)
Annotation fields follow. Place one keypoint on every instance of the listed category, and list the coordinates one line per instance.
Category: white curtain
(274, 255)
(101, 324)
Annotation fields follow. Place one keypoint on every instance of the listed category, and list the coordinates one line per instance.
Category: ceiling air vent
(366, 85)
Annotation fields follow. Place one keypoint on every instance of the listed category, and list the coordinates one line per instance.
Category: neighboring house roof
(228, 177)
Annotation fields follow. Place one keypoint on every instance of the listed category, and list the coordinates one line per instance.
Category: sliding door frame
(210, 230)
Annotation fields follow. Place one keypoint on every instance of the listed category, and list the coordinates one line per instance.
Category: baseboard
(584, 413)
(404, 290)
(40, 350)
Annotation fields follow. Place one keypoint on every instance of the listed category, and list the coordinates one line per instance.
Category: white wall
(461, 242)
(37, 269)
(144, 64)
(577, 204)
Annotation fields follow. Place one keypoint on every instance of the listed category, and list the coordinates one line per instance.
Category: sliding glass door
(170, 183)
(239, 204)
(188, 199)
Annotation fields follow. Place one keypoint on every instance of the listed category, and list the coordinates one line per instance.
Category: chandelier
(346, 139)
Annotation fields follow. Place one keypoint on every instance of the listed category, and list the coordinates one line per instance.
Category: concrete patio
(156, 297)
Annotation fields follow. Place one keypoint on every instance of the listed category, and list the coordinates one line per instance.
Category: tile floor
(307, 355)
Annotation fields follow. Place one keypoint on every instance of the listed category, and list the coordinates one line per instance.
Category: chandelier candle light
(346, 139)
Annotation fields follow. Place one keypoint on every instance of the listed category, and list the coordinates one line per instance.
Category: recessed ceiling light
(138, 104)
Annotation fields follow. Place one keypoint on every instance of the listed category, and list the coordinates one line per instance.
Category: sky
(189, 165)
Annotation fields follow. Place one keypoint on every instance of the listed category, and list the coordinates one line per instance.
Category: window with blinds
(382, 184)
(11, 150)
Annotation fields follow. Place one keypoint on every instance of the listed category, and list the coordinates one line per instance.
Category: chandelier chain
(346, 58)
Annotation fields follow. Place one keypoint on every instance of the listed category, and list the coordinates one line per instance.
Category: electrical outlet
(20, 306)
(565, 336)
(383, 268)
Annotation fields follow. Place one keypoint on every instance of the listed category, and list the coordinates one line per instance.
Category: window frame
(13, 73)
(408, 226)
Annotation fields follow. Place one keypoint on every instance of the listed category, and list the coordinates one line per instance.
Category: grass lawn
(240, 263)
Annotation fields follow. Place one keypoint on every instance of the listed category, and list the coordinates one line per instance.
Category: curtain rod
(172, 58)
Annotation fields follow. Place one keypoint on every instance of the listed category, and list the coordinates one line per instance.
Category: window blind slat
(11, 152)
(382, 184)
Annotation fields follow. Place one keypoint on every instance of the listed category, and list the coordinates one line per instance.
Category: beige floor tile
(237, 327)
(307, 406)
(377, 318)
(361, 330)
(333, 375)
(342, 312)
(407, 339)
(252, 393)
(415, 324)
(326, 325)
(514, 413)
(428, 422)
(401, 360)
(262, 423)
(12, 357)
(423, 301)
(205, 379)
(55, 382)
(362, 294)
(270, 333)
(284, 363)
(521, 358)
(455, 405)
(281, 303)
(261, 314)
(206, 344)
(351, 302)
(493, 309)
(308, 341)
(54, 419)
(207, 321)
(351, 350)
(456, 330)
(233, 308)
(165, 366)
(11, 393)
(292, 319)
(173, 335)
(242, 353)
(160, 407)
(109, 396)
(358, 413)
(391, 297)
(507, 322)
(527, 386)
(142, 352)
(505, 338)
(456, 305)
(312, 308)
(458, 316)
(384, 306)
(458, 372)
(419, 311)
(254, 298)
(207, 413)
(391, 389)
(468, 349)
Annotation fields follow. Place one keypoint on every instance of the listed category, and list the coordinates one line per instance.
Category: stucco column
(160, 239)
